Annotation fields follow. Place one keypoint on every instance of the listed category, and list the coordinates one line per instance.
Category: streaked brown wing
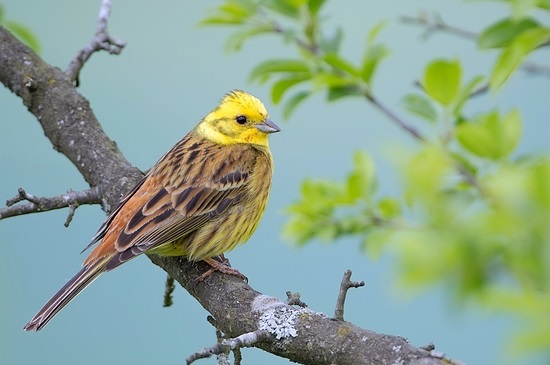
(103, 229)
(203, 189)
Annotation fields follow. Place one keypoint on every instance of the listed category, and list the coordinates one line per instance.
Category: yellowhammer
(201, 199)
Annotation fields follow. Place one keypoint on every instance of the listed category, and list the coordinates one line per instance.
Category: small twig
(437, 24)
(477, 92)
(222, 358)
(71, 199)
(429, 347)
(70, 215)
(238, 356)
(315, 49)
(344, 287)
(101, 41)
(294, 299)
(168, 291)
(480, 91)
(212, 321)
(394, 117)
(535, 68)
(226, 345)
(444, 359)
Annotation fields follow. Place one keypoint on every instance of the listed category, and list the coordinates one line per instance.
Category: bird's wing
(177, 198)
(103, 229)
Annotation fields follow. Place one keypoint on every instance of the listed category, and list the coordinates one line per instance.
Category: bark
(300, 335)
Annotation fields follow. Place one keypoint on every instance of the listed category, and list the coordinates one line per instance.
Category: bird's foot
(221, 264)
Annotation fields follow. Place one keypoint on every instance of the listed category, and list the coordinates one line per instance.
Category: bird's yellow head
(239, 118)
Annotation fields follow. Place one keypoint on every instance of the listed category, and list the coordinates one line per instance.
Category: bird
(204, 197)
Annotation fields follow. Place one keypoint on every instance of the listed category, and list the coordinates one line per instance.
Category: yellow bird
(201, 199)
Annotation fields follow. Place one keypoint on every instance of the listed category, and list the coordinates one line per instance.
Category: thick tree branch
(298, 334)
(67, 119)
(301, 335)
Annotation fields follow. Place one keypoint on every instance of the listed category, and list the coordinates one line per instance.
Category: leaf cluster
(319, 65)
(472, 214)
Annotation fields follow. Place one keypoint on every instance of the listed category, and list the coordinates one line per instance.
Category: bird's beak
(267, 126)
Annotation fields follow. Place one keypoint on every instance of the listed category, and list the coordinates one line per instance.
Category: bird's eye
(241, 119)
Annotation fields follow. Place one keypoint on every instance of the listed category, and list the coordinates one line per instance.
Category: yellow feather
(215, 126)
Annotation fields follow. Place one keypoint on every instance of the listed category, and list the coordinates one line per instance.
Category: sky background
(170, 75)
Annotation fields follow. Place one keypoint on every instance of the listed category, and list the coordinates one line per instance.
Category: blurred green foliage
(472, 215)
(21, 31)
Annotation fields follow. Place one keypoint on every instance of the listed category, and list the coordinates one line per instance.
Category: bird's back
(213, 201)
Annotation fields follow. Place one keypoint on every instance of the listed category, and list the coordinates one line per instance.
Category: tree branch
(437, 24)
(101, 41)
(227, 345)
(298, 334)
(394, 117)
(67, 120)
(71, 199)
(294, 299)
(344, 287)
(301, 335)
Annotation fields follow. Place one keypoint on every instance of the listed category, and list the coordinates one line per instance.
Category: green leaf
(510, 131)
(265, 69)
(376, 240)
(338, 92)
(332, 44)
(289, 8)
(464, 163)
(491, 136)
(372, 58)
(465, 94)
(341, 64)
(323, 80)
(421, 106)
(24, 34)
(315, 6)
(373, 54)
(222, 19)
(389, 208)
(544, 4)
(298, 230)
(293, 102)
(236, 40)
(501, 33)
(232, 13)
(239, 8)
(373, 33)
(281, 86)
(442, 80)
(361, 180)
(1, 14)
(510, 59)
(522, 8)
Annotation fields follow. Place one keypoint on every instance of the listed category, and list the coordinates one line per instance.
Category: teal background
(168, 77)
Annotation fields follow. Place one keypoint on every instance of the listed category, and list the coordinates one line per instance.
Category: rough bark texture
(305, 336)
(66, 118)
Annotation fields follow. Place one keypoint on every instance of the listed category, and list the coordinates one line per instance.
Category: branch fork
(102, 41)
(345, 285)
(72, 199)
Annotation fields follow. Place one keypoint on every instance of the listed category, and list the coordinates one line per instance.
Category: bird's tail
(67, 293)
